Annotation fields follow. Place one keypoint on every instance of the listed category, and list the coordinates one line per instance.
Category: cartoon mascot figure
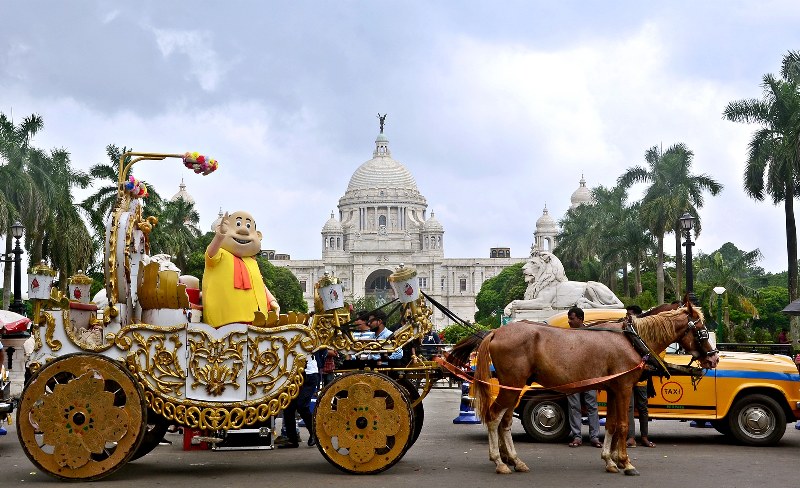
(233, 290)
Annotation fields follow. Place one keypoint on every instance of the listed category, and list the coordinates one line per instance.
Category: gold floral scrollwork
(269, 358)
(216, 364)
(49, 323)
(156, 358)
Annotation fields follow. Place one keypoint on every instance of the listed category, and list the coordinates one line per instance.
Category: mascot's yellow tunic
(223, 302)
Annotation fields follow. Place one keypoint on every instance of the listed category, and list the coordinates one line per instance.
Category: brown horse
(568, 360)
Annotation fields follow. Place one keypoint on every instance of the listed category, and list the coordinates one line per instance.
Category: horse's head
(694, 339)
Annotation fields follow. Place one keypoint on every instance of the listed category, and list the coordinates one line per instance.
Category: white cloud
(206, 65)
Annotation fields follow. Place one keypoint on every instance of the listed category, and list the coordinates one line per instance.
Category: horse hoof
(503, 469)
(521, 467)
(631, 472)
(612, 469)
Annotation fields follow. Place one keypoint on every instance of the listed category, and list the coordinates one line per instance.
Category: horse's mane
(658, 328)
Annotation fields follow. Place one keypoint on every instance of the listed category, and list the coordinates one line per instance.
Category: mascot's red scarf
(241, 277)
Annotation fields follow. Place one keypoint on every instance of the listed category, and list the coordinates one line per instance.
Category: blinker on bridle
(701, 336)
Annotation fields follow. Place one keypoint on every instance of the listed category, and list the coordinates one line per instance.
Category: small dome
(545, 223)
(182, 194)
(216, 222)
(332, 226)
(581, 195)
(432, 225)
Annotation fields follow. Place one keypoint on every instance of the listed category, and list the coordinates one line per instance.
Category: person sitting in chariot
(233, 289)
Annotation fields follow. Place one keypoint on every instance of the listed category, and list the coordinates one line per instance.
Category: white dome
(182, 194)
(432, 225)
(545, 223)
(382, 171)
(216, 222)
(332, 226)
(581, 195)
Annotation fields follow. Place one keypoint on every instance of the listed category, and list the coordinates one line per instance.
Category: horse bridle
(700, 336)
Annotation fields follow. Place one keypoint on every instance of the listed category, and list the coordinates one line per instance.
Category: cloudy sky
(496, 108)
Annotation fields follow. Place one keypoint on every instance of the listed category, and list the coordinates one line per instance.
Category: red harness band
(567, 388)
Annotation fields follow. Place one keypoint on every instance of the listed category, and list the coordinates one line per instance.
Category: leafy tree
(731, 274)
(283, 285)
(770, 302)
(672, 191)
(17, 191)
(497, 292)
(177, 231)
(773, 159)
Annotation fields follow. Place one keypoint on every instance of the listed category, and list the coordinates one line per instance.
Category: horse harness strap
(653, 362)
(567, 388)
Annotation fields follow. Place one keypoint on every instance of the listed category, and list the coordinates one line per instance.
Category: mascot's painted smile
(241, 241)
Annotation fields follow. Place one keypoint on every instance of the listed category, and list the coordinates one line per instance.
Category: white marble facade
(382, 223)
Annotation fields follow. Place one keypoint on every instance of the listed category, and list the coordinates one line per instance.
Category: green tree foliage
(283, 285)
(773, 159)
(369, 303)
(177, 231)
(771, 300)
(672, 191)
(497, 292)
(455, 332)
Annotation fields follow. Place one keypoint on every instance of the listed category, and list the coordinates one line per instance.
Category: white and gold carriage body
(159, 366)
(191, 373)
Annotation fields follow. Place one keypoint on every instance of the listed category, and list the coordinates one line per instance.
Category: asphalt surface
(448, 455)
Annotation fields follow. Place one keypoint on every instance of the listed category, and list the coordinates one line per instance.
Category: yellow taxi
(750, 397)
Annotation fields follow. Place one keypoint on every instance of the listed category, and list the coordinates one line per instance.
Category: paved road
(448, 455)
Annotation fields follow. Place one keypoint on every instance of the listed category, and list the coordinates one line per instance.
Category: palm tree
(773, 158)
(17, 191)
(672, 191)
(99, 205)
(733, 275)
(177, 231)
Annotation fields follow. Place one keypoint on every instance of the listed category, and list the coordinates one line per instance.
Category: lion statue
(548, 288)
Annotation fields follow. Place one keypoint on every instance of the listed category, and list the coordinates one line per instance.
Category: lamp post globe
(687, 222)
(17, 229)
(719, 290)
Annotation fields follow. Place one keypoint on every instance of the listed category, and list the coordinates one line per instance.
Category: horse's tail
(481, 386)
(461, 352)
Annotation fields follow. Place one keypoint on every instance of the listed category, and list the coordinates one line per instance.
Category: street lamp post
(687, 222)
(719, 290)
(15, 257)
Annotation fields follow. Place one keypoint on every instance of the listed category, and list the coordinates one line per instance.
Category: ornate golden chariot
(108, 382)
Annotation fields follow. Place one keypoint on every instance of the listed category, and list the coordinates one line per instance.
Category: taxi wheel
(757, 420)
(545, 421)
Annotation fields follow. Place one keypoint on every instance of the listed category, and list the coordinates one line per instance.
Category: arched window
(331, 244)
(338, 243)
(382, 220)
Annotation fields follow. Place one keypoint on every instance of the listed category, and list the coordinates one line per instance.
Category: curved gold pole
(125, 168)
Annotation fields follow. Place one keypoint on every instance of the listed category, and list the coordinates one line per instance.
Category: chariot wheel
(155, 429)
(363, 422)
(81, 417)
(418, 410)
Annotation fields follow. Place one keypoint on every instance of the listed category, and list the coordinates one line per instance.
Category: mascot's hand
(224, 225)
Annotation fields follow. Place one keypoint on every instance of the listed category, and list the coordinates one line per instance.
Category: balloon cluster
(135, 187)
(199, 163)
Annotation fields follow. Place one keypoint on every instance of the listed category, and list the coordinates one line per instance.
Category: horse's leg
(609, 454)
(507, 443)
(622, 401)
(493, 421)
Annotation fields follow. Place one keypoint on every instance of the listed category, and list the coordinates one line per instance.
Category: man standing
(377, 323)
(638, 399)
(575, 320)
(302, 405)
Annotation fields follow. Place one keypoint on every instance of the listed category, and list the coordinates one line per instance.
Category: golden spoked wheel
(363, 422)
(81, 417)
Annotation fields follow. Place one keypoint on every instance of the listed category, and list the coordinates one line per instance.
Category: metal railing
(785, 349)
